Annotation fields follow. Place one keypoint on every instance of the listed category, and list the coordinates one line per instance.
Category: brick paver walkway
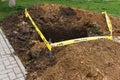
(11, 67)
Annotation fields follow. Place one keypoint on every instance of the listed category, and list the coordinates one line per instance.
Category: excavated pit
(60, 33)
(61, 25)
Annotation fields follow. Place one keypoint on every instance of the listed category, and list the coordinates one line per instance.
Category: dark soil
(92, 60)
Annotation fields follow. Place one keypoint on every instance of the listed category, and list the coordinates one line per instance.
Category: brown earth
(92, 60)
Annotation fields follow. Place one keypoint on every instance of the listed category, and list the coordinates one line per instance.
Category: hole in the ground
(62, 26)
(61, 33)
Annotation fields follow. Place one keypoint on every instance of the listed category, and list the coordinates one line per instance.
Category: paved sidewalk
(11, 67)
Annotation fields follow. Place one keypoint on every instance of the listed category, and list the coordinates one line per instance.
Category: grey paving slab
(11, 68)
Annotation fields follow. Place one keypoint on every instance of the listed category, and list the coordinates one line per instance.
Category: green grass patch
(112, 7)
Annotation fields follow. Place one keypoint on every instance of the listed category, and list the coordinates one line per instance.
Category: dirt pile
(92, 60)
(96, 60)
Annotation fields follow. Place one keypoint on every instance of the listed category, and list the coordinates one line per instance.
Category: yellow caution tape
(38, 30)
(63, 43)
(109, 24)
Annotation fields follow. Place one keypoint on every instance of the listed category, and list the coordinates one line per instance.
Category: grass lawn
(112, 7)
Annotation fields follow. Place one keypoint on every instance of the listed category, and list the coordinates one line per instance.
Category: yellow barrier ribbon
(109, 24)
(67, 42)
(38, 30)
(63, 43)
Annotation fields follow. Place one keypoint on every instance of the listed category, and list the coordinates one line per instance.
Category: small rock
(15, 32)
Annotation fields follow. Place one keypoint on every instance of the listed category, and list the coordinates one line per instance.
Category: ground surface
(112, 6)
(92, 60)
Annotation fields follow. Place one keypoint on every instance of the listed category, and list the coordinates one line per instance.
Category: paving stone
(6, 62)
(17, 70)
(11, 67)
(1, 63)
(19, 75)
(7, 51)
(11, 59)
(3, 76)
(22, 78)
(3, 58)
(12, 50)
(12, 75)
(4, 45)
(2, 52)
(6, 78)
(5, 71)
(13, 62)
(21, 65)
(2, 67)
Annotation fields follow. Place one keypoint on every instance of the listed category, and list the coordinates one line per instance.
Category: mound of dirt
(92, 60)
(96, 60)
